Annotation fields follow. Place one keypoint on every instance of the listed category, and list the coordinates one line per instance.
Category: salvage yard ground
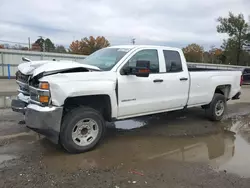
(178, 149)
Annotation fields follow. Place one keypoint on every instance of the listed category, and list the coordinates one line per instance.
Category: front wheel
(216, 109)
(82, 129)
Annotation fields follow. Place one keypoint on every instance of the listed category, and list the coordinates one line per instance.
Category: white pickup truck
(69, 102)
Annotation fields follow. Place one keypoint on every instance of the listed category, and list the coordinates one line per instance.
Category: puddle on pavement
(5, 101)
(146, 121)
(4, 158)
(240, 161)
(129, 124)
(161, 138)
(221, 149)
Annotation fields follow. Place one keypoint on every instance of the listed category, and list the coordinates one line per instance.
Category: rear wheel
(82, 129)
(216, 109)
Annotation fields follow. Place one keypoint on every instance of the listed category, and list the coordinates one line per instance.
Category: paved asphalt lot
(177, 149)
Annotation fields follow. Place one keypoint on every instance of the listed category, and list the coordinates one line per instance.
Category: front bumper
(18, 106)
(44, 120)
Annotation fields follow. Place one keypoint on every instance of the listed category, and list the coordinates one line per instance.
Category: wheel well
(100, 103)
(223, 89)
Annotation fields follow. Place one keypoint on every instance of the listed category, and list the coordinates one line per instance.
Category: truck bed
(192, 68)
(203, 82)
(203, 67)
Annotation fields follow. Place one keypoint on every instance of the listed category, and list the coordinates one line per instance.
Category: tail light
(241, 80)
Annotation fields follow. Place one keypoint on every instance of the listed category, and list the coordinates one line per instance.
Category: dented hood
(36, 67)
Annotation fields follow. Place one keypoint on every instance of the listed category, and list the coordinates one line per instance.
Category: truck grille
(22, 81)
(22, 77)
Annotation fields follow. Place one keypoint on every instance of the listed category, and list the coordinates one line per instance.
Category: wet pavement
(177, 149)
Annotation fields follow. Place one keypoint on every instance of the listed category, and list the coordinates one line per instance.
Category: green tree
(60, 49)
(39, 42)
(49, 45)
(236, 27)
(88, 45)
(229, 47)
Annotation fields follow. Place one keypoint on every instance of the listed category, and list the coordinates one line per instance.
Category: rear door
(176, 80)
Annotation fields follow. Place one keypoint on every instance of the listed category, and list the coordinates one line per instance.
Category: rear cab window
(172, 61)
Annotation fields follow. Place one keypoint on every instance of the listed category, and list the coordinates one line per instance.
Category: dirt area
(177, 149)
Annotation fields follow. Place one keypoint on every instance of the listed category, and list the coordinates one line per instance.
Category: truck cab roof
(144, 46)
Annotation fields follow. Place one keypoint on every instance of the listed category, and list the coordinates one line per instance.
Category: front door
(140, 95)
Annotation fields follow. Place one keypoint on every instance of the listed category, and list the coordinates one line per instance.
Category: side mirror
(142, 68)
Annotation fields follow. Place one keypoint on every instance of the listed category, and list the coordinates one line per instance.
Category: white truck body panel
(63, 86)
(133, 96)
(203, 85)
(36, 67)
(151, 97)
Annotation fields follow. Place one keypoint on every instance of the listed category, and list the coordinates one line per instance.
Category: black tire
(69, 122)
(211, 108)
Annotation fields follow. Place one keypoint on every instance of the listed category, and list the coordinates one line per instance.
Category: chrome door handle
(158, 80)
(183, 79)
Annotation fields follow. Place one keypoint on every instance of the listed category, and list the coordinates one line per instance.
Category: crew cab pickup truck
(70, 102)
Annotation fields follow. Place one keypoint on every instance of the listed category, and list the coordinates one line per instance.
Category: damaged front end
(40, 115)
(29, 73)
(34, 97)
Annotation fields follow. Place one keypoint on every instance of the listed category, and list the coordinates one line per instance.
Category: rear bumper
(237, 96)
(44, 120)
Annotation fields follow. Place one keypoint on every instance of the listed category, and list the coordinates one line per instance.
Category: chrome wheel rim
(85, 132)
(219, 108)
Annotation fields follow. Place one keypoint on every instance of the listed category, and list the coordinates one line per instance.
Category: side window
(172, 61)
(146, 55)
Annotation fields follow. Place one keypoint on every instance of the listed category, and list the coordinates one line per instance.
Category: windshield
(105, 59)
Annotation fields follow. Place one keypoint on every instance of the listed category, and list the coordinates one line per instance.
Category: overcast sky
(165, 22)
